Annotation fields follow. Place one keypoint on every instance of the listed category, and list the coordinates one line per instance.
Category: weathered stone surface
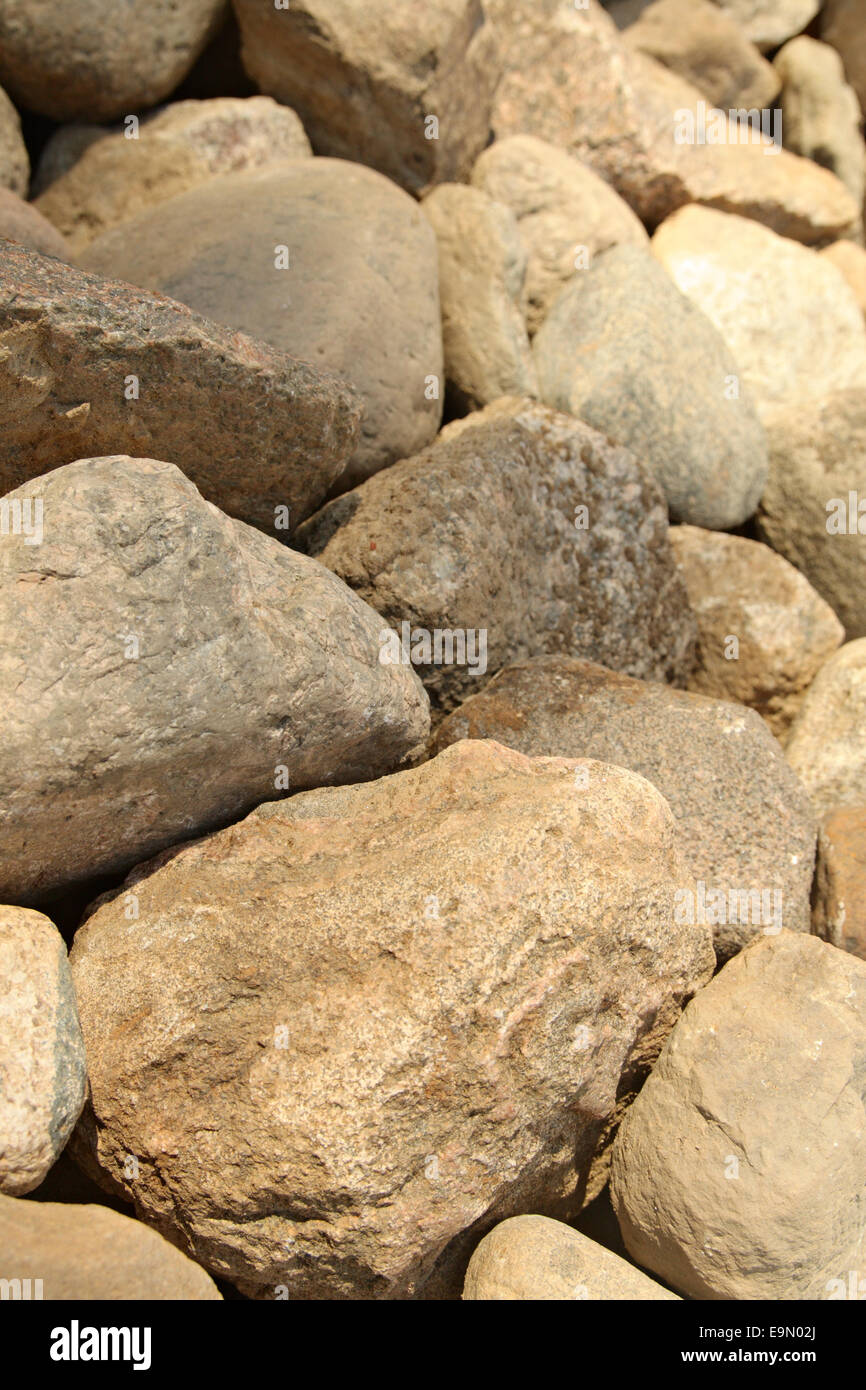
(827, 744)
(359, 295)
(763, 631)
(63, 149)
(850, 258)
(372, 1021)
(571, 79)
(366, 83)
(182, 146)
(770, 22)
(842, 26)
(482, 264)
(577, 562)
(813, 510)
(566, 214)
(22, 223)
(43, 1075)
(14, 159)
(95, 60)
(90, 1252)
(164, 668)
(253, 428)
(738, 1171)
(821, 113)
(625, 351)
(787, 314)
(746, 826)
(839, 898)
(709, 49)
(533, 1257)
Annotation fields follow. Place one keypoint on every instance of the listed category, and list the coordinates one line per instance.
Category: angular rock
(738, 1171)
(708, 48)
(850, 258)
(566, 214)
(763, 631)
(43, 1075)
(827, 744)
(787, 314)
(577, 562)
(533, 1257)
(164, 668)
(839, 898)
(95, 60)
(22, 223)
(372, 91)
(813, 510)
(482, 264)
(842, 26)
(88, 366)
(625, 351)
(323, 259)
(769, 23)
(87, 1253)
(746, 827)
(821, 114)
(182, 146)
(373, 1021)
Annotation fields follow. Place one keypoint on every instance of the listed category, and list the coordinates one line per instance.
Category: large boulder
(164, 668)
(43, 1075)
(348, 1036)
(738, 1171)
(14, 159)
(326, 260)
(625, 351)
(89, 366)
(407, 89)
(706, 46)
(839, 899)
(820, 113)
(577, 561)
(827, 743)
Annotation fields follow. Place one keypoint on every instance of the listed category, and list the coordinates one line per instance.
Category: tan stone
(839, 901)
(842, 26)
(827, 743)
(820, 112)
(850, 258)
(22, 223)
(14, 159)
(770, 22)
(702, 43)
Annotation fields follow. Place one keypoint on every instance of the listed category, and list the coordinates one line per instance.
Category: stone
(43, 1075)
(89, 1252)
(533, 1257)
(193, 668)
(842, 26)
(820, 112)
(62, 150)
(322, 259)
(577, 561)
(769, 23)
(787, 315)
(839, 899)
(370, 1022)
(709, 49)
(827, 743)
(746, 827)
(566, 215)
(14, 159)
(738, 1171)
(626, 352)
(813, 510)
(850, 258)
(573, 80)
(96, 61)
(763, 631)
(182, 146)
(22, 223)
(409, 92)
(89, 365)
(481, 268)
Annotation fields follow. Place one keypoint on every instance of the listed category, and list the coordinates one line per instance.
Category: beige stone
(706, 46)
(22, 223)
(842, 26)
(820, 112)
(14, 159)
(827, 744)
(770, 22)
(850, 258)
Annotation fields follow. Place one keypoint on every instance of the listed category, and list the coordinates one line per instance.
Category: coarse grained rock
(534, 1257)
(525, 525)
(183, 145)
(359, 292)
(820, 112)
(89, 1252)
(368, 83)
(43, 1073)
(763, 631)
(788, 316)
(769, 23)
(745, 823)
(254, 428)
(566, 214)
(702, 43)
(373, 1021)
(482, 265)
(623, 349)
(14, 159)
(21, 222)
(839, 897)
(850, 258)
(738, 1171)
(95, 60)
(827, 743)
(842, 26)
(165, 668)
(813, 510)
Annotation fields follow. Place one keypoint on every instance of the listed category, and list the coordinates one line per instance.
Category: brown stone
(23, 223)
(839, 899)
(707, 47)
